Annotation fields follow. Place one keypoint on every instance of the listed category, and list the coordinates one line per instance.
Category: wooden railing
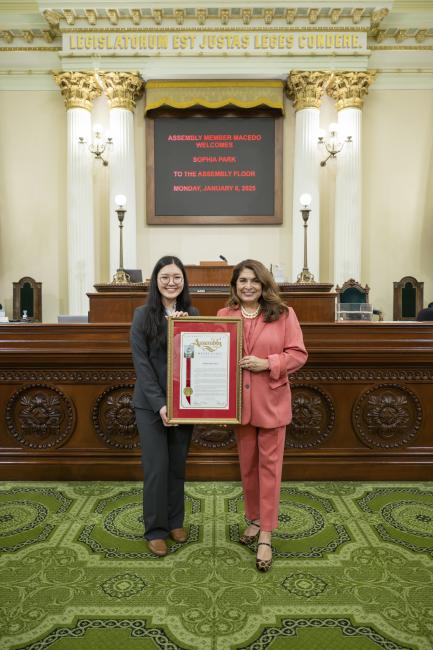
(362, 406)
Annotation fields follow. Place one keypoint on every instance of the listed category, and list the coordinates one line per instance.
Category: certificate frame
(203, 349)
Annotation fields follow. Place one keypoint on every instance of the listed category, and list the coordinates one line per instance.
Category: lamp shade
(120, 200)
(305, 200)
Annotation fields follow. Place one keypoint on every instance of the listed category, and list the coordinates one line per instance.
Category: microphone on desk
(224, 259)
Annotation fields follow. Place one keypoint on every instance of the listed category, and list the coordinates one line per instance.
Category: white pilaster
(306, 179)
(348, 208)
(80, 224)
(122, 181)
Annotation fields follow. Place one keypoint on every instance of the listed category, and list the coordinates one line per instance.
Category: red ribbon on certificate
(188, 354)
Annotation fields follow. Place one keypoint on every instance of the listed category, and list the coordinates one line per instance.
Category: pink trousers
(261, 460)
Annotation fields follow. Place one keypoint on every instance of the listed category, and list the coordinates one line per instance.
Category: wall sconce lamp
(305, 277)
(120, 277)
(98, 146)
(332, 143)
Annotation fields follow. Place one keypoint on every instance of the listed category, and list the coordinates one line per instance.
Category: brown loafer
(157, 546)
(179, 535)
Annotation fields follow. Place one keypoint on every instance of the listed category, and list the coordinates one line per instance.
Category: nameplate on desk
(209, 288)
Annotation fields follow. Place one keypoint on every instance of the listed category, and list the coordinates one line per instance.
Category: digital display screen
(212, 166)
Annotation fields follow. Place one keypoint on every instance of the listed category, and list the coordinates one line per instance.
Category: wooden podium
(210, 289)
(209, 273)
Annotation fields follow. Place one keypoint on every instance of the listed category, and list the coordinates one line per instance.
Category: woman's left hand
(254, 364)
(179, 314)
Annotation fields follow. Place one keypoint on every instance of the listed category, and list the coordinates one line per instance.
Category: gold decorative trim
(313, 16)
(243, 93)
(335, 15)
(260, 101)
(30, 49)
(421, 48)
(174, 28)
(52, 17)
(91, 15)
(253, 83)
(378, 15)
(306, 88)
(113, 16)
(78, 88)
(349, 88)
(122, 88)
(357, 15)
(291, 15)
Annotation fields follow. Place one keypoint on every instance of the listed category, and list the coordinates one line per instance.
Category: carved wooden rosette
(213, 436)
(114, 417)
(306, 88)
(349, 88)
(387, 416)
(122, 88)
(78, 88)
(313, 417)
(40, 416)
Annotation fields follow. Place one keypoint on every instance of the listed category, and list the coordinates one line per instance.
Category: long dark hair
(270, 301)
(154, 323)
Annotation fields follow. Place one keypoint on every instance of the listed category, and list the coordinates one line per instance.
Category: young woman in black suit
(164, 448)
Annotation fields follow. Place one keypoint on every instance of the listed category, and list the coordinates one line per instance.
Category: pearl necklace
(250, 314)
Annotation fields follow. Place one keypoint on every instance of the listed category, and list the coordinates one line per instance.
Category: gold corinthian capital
(78, 88)
(122, 88)
(306, 88)
(349, 88)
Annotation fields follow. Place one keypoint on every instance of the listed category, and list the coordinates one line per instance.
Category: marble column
(122, 90)
(79, 89)
(349, 89)
(306, 89)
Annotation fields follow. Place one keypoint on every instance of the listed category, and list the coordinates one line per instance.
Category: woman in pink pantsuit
(273, 347)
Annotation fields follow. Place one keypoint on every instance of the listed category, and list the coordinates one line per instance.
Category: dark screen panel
(212, 166)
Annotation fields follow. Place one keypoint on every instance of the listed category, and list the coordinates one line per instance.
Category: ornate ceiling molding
(387, 22)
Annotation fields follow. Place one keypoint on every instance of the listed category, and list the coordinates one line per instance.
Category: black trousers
(163, 455)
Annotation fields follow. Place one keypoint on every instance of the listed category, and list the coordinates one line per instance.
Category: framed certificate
(203, 373)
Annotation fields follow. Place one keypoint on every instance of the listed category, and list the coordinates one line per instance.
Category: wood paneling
(118, 307)
(363, 406)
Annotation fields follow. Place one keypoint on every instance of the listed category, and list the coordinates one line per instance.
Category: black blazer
(150, 363)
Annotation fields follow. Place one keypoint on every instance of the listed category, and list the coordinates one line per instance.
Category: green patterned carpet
(353, 570)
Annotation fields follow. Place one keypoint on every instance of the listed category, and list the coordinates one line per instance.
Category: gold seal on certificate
(188, 391)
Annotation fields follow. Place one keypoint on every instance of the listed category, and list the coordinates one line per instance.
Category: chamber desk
(362, 406)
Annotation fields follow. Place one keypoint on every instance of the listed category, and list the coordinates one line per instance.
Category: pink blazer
(266, 397)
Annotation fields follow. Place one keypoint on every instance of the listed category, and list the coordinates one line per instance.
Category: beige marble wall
(32, 196)
(397, 200)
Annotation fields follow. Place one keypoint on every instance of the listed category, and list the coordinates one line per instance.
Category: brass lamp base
(121, 277)
(306, 277)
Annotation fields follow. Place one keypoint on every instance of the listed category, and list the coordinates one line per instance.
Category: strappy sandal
(263, 565)
(246, 540)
